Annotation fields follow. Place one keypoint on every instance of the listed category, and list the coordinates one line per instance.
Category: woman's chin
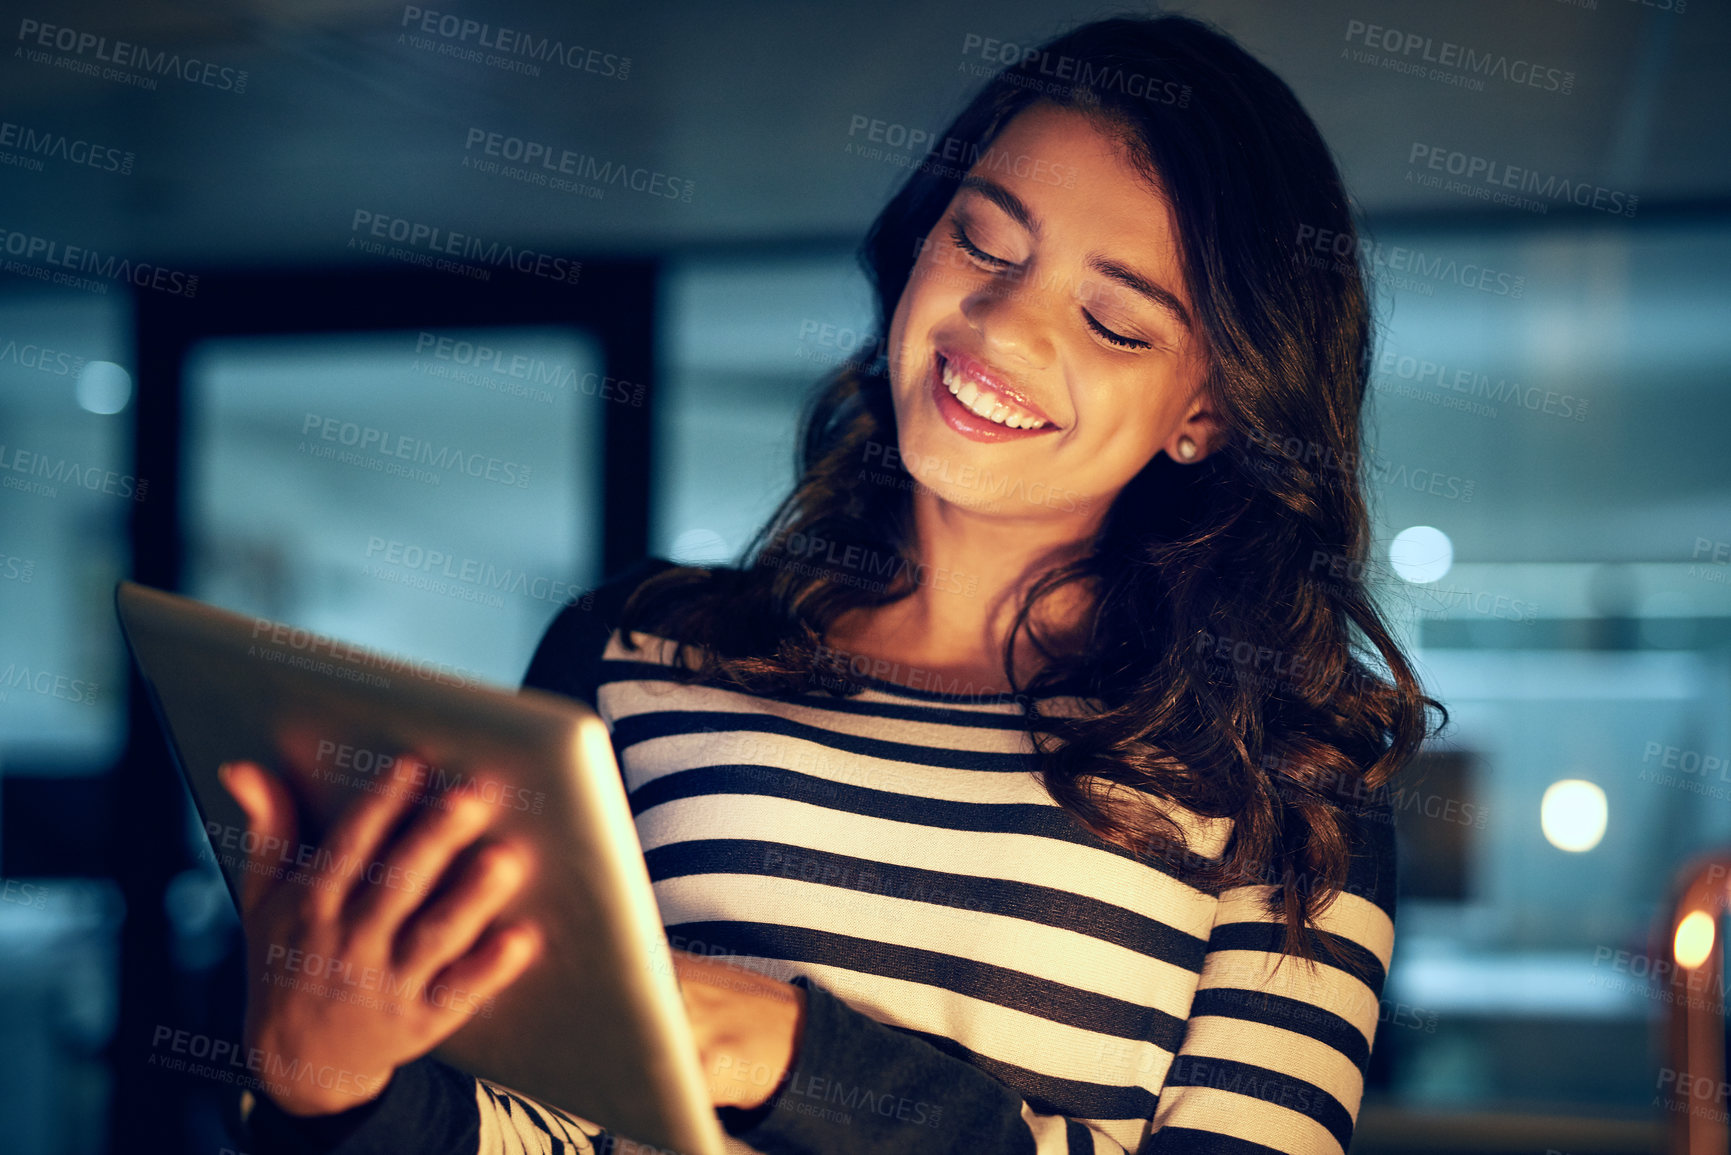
(965, 500)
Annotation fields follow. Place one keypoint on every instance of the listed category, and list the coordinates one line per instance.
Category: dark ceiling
(352, 107)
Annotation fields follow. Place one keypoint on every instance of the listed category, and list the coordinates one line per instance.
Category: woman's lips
(970, 424)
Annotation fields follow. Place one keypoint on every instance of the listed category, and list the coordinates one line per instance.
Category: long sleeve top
(983, 973)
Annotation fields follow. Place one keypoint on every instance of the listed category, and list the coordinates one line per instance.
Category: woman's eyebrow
(1137, 283)
(1004, 199)
(1019, 212)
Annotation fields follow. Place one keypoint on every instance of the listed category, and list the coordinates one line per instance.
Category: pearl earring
(1186, 448)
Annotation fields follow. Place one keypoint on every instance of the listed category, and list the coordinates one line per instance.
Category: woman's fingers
(270, 820)
(415, 861)
(351, 849)
(447, 927)
(496, 961)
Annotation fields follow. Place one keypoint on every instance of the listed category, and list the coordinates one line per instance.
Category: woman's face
(1047, 296)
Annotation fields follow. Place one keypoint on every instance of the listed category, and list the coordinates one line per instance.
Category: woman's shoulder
(565, 661)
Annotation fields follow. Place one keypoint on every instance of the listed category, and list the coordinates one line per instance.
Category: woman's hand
(355, 967)
(747, 1027)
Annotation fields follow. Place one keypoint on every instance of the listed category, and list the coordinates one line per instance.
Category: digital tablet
(596, 1026)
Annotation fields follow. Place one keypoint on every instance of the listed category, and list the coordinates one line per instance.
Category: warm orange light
(1694, 940)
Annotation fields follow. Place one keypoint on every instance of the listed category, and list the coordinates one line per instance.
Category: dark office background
(1573, 398)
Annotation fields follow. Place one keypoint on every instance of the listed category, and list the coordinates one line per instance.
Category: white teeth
(985, 404)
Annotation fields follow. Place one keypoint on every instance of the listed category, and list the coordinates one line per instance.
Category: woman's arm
(1272, 1060)
(1276, 1057)
(428, 1107)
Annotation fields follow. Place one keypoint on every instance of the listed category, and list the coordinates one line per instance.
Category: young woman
(1020, 790)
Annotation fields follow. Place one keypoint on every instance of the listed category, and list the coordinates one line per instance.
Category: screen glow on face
(1051, 291)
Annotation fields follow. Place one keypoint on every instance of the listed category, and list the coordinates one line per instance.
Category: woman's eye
(966, 244)
(973, 250)
(1113, 338)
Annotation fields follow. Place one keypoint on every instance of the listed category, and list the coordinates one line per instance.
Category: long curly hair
(1236, 663)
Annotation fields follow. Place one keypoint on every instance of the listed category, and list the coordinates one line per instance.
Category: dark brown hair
(1234, 674)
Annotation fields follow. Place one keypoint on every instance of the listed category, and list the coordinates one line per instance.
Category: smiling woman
(1068, 851)
(1045, 330)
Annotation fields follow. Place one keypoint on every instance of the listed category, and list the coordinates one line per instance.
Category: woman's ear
(1196, 436)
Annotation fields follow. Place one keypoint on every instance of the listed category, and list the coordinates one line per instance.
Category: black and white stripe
(896, 849)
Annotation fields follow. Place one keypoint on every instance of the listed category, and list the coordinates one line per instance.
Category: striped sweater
(983, 973)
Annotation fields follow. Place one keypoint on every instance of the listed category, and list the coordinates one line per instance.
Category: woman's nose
(1015, 321)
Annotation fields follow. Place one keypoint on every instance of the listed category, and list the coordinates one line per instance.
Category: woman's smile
(980, 403)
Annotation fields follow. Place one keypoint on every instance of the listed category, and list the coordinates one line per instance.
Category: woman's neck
(975, 569)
